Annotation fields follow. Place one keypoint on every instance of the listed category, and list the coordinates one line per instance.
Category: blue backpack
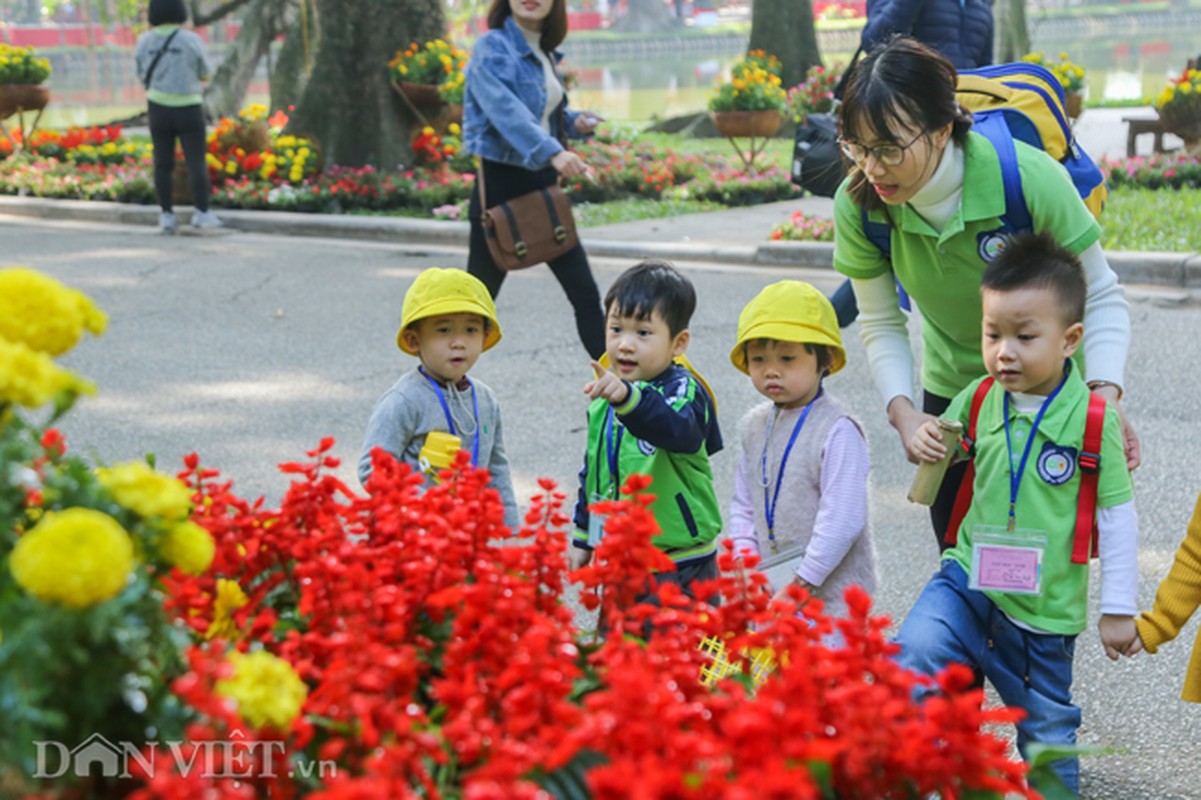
(1017, 102)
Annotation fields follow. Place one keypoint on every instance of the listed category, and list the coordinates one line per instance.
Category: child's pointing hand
(606, 385)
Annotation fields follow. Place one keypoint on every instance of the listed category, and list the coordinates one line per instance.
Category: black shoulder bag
(158, 58)
(817, 165)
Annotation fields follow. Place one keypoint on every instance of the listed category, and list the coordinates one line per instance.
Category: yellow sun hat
(790, 311)
(437, 292)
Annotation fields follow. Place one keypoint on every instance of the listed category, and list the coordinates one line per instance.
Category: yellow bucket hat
(447, 291)
(790, 311)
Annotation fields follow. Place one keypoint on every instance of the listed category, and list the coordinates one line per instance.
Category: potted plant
(1179, 106)
(1071, 78)
(814, 95)
(21, 76)
(752, 102)
(420, 71)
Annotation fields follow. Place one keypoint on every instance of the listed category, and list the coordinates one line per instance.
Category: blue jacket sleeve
(889, 17)
(676, 421)
(580, 515)
(491, 76)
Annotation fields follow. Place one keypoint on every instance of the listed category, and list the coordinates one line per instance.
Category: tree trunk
(225, 94)
(647, 16)
(785, 29)
(349, 105)
(290, 73)
(1013, 34)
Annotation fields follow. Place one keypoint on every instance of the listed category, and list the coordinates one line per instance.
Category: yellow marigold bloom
(229, 599)
(77, 558)
(189, 547)
(43, 313)
(144, 491)
(31, 378)
(267, 690)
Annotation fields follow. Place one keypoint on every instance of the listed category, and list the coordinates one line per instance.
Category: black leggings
(944, 503)
(504, 182)
(186, 123)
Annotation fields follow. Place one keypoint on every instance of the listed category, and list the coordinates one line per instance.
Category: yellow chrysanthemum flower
(151, 494)
(267, 690)
(229, 599)
(31, 378)
(77, 558)
(189, 547)
(43, 313)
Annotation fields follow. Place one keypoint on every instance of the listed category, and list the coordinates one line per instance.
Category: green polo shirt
(941, 271)
(1047, 495)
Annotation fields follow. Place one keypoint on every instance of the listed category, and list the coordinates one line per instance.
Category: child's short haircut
(1037, 261)
(652, 286)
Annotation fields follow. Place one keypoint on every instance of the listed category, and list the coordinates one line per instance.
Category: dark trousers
(185, 123)
(504, 182)
(944, 503)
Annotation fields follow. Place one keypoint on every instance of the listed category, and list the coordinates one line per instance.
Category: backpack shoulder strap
(880, 234)
(963, 498)
(992, 126)
(1084, 542)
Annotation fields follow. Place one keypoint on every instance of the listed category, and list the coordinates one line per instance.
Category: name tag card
(1007, 561)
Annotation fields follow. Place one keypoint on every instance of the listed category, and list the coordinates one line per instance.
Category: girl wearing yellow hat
(434, 410)
(800, 485)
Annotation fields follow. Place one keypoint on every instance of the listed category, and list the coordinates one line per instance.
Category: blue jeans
(952, 623)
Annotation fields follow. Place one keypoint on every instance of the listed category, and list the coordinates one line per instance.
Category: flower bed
(1176, 170)
(801, 227)
(253, 165)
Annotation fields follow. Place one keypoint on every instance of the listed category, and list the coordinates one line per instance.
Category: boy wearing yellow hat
(800, 485)
(434, 410)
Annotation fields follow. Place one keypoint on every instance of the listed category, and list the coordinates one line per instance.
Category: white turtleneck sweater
(882, 324)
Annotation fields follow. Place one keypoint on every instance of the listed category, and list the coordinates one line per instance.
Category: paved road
(249, 349)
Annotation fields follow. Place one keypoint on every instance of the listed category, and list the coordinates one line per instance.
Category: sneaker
(166, 222)
(206, 219)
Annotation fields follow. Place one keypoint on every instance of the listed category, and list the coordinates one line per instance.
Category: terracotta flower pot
(454, 113)
(422, 95)
(1187, 126)
(181, 184)
(16, 97)
(748, 123)
(1074, 104)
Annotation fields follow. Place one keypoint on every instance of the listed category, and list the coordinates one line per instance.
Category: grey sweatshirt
(407, 412)
(182, 67)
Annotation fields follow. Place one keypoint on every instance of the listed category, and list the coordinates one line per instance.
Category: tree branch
(200, 19)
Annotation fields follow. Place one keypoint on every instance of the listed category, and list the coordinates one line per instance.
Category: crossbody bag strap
(154, 64)
(479, 176)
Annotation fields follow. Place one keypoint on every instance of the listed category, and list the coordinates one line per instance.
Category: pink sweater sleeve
(842, 509)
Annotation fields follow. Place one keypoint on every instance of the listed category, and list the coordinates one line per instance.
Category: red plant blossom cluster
(443, 661)
(57, 144)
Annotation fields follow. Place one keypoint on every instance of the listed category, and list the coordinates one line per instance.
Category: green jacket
(667, 429)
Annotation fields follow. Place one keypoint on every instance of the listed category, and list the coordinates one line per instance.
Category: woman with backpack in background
(171, 63)
(918, 168)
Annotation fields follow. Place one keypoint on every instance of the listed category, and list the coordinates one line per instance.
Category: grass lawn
(1146, 220)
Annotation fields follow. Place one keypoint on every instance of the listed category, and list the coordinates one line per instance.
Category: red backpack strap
(963, 498)
(1084, 541)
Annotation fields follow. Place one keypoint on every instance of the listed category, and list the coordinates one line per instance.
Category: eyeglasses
(890, 155)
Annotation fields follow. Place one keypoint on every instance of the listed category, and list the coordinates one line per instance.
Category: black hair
(900, 82)
(167, 12)
(554, 27)
(651, 286)
(1037, 261)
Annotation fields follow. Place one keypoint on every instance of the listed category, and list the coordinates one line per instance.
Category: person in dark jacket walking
(960, 30)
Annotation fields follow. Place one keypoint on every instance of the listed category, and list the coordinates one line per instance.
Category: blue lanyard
(450, 422)
(613, 450)
(770, 499)
(1015, 479)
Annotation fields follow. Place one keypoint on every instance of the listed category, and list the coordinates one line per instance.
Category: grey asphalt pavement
(249, 348)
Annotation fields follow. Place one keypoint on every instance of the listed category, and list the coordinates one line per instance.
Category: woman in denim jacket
(515, 119)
